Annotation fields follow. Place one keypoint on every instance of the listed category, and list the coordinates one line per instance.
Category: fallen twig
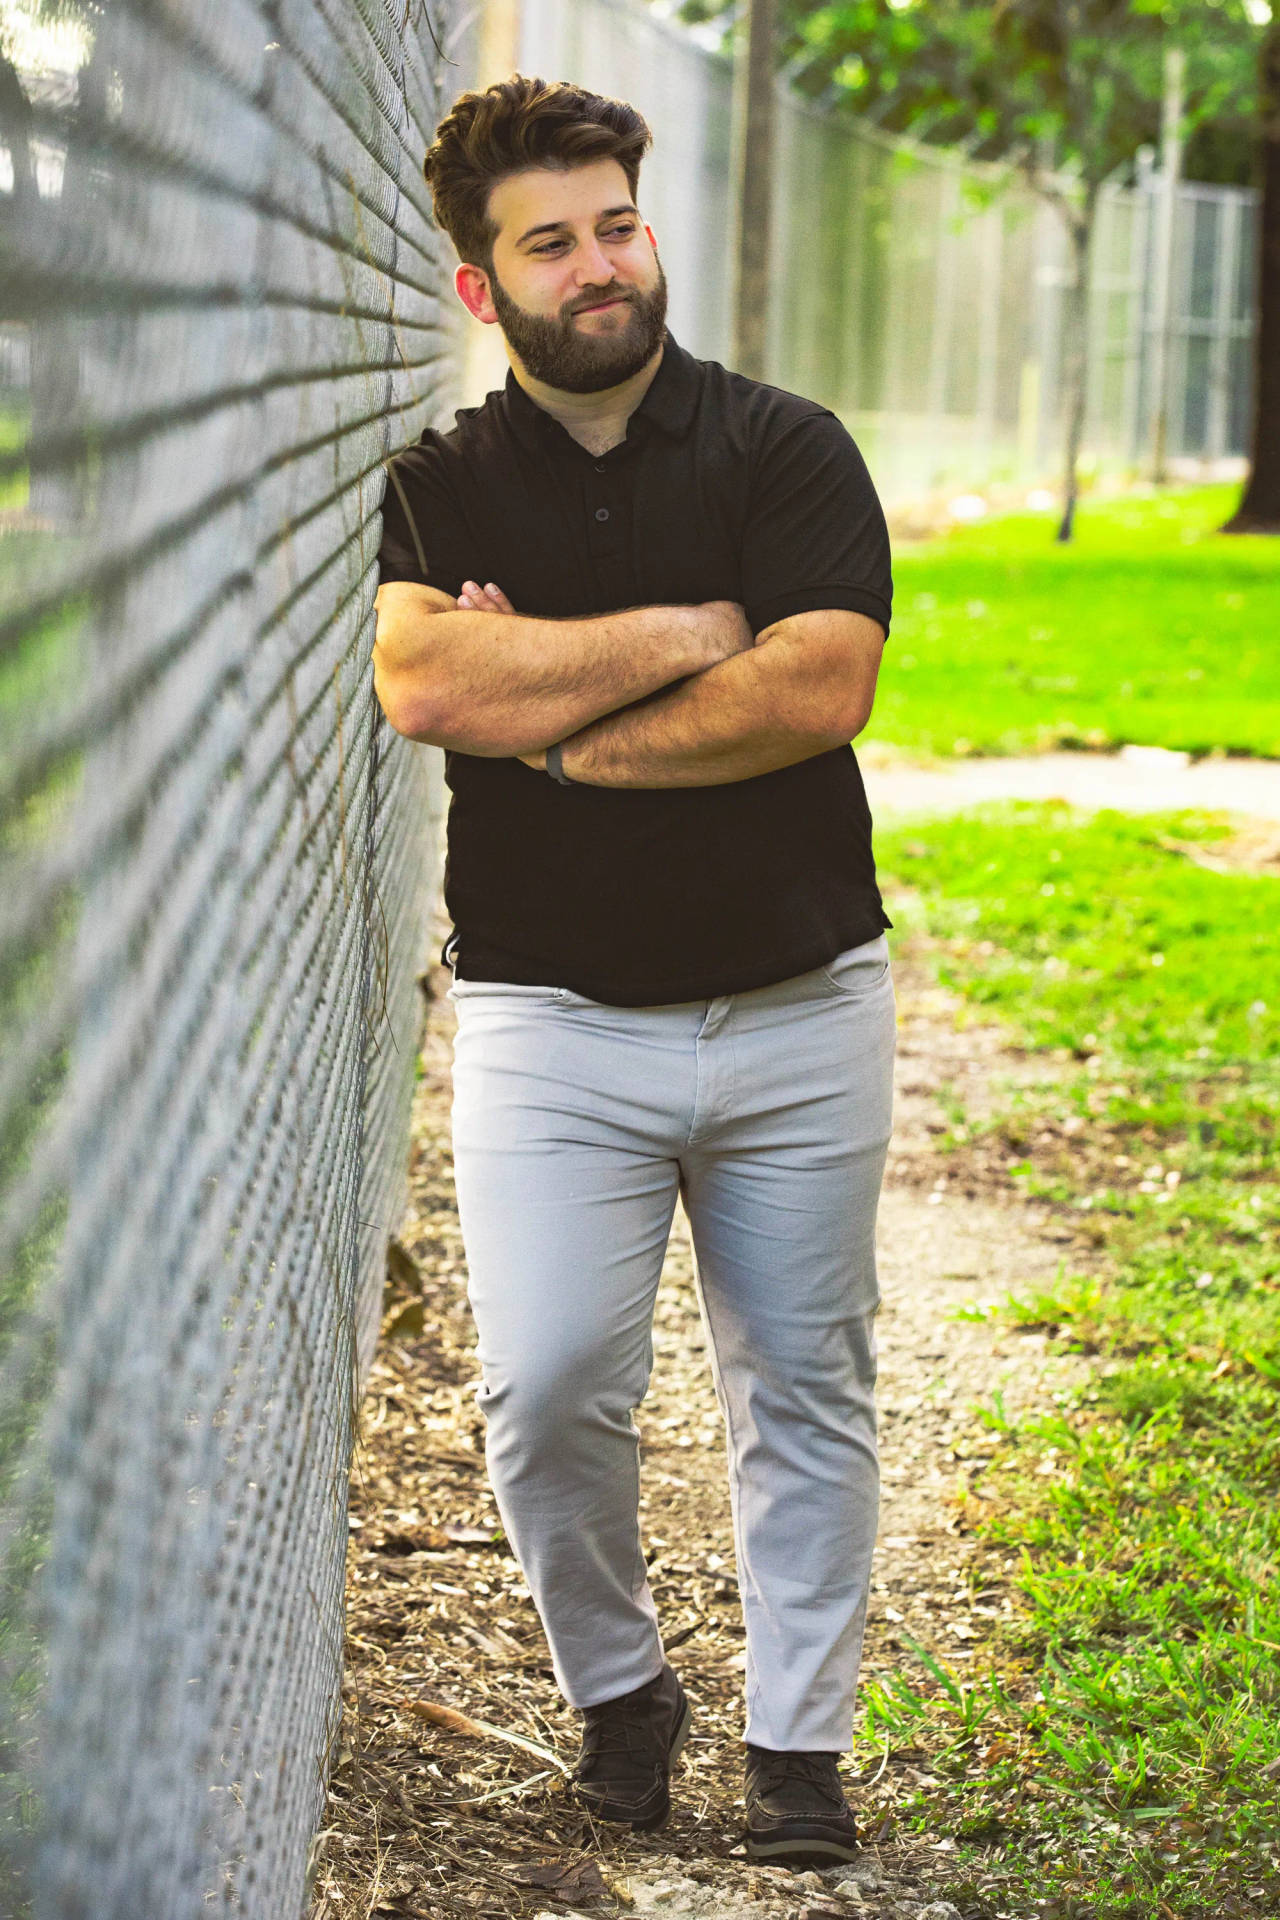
(512, 1786)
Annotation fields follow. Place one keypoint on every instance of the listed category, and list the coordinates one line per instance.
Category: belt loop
(718, 1011)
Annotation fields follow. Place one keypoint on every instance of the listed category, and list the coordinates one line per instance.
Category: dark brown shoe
(797, 1814)
(629, 1746)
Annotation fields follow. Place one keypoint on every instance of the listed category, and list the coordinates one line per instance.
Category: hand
(491, 599)
(728, 629)
(399, 607)
(486, 599)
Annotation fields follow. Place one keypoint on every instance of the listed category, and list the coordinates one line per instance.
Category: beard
(559, 354)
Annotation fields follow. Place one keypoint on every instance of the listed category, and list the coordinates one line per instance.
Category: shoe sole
(802, 1851)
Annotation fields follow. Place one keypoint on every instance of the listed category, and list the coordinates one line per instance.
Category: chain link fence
(222, 304)
(912, 292)
(220, 310)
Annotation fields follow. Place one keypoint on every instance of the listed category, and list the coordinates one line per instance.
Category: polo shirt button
(600, 467)
(602, 513)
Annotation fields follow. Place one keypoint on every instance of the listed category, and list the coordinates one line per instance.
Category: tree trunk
(1259, 509)
(1075, 354)
(16, 129)
(755, 189)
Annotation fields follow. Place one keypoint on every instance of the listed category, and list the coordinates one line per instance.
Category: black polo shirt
(724, 489)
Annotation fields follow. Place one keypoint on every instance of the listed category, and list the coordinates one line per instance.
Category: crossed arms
(650, 697)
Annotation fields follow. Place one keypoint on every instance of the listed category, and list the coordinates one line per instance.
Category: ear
(471, 284)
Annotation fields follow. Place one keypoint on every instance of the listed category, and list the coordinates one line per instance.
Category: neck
(597, 420)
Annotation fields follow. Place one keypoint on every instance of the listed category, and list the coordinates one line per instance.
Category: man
(641, 602)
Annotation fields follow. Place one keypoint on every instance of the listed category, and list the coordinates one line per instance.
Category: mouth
(603, 306)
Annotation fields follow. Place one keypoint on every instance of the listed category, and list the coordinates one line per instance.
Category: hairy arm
(473, 675)
(807, 686)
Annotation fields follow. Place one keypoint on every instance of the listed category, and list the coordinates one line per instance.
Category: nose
(593, 267)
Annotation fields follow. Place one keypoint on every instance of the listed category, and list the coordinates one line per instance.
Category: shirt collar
(669, 401)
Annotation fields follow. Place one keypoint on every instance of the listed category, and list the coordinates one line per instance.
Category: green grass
(14, 428)
(1102, 932)
(1150, 626)
(1120, 1755)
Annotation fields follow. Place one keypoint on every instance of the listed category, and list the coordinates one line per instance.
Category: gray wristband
(555, 765)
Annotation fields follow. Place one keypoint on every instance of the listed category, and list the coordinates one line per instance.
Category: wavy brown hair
(514, 124)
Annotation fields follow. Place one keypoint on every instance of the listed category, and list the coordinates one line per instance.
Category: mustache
(597, 299)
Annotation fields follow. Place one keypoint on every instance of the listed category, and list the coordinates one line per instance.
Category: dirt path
(425, 1819)
(1136, 779)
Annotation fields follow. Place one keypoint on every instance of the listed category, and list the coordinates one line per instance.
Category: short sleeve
(815, 533)
(424, 537)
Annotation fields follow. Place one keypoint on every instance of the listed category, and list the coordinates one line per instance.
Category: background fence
(219, 313)
(931, 323)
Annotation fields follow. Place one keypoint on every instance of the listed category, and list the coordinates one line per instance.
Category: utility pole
(1175, 63)
(755, 120)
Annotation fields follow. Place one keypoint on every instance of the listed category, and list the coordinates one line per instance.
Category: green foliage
(1013, 81)
(1151, 627)
(1121, 1754)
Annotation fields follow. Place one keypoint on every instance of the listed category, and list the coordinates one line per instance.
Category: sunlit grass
(1120, 1755)
(14, 429)
(1150, 627)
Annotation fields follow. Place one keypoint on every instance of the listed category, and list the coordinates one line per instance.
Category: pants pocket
(858, 971)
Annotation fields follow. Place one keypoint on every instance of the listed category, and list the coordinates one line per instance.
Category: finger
(498, 597)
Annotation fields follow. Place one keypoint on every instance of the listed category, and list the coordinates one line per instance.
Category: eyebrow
(558, 226)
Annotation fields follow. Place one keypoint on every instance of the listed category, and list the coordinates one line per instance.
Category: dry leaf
(572, 1878)
(450, 1717)
(402, 1268)
(456, 1722)
(406, 1323)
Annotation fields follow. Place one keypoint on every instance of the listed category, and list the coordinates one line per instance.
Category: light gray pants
(574, 1126)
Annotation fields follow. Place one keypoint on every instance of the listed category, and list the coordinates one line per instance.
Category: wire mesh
(220, 312)
(910, 292)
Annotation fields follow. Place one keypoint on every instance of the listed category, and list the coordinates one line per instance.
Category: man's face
(576, 284)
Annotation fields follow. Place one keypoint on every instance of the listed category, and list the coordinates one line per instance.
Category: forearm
(770, 708)
(498, 684)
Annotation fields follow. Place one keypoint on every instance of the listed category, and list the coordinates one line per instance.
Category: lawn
(14, 427)
(1150, 626)
(1119, 1752)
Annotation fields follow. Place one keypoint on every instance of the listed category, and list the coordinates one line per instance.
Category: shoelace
(786, 1767)
(620, 1730)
